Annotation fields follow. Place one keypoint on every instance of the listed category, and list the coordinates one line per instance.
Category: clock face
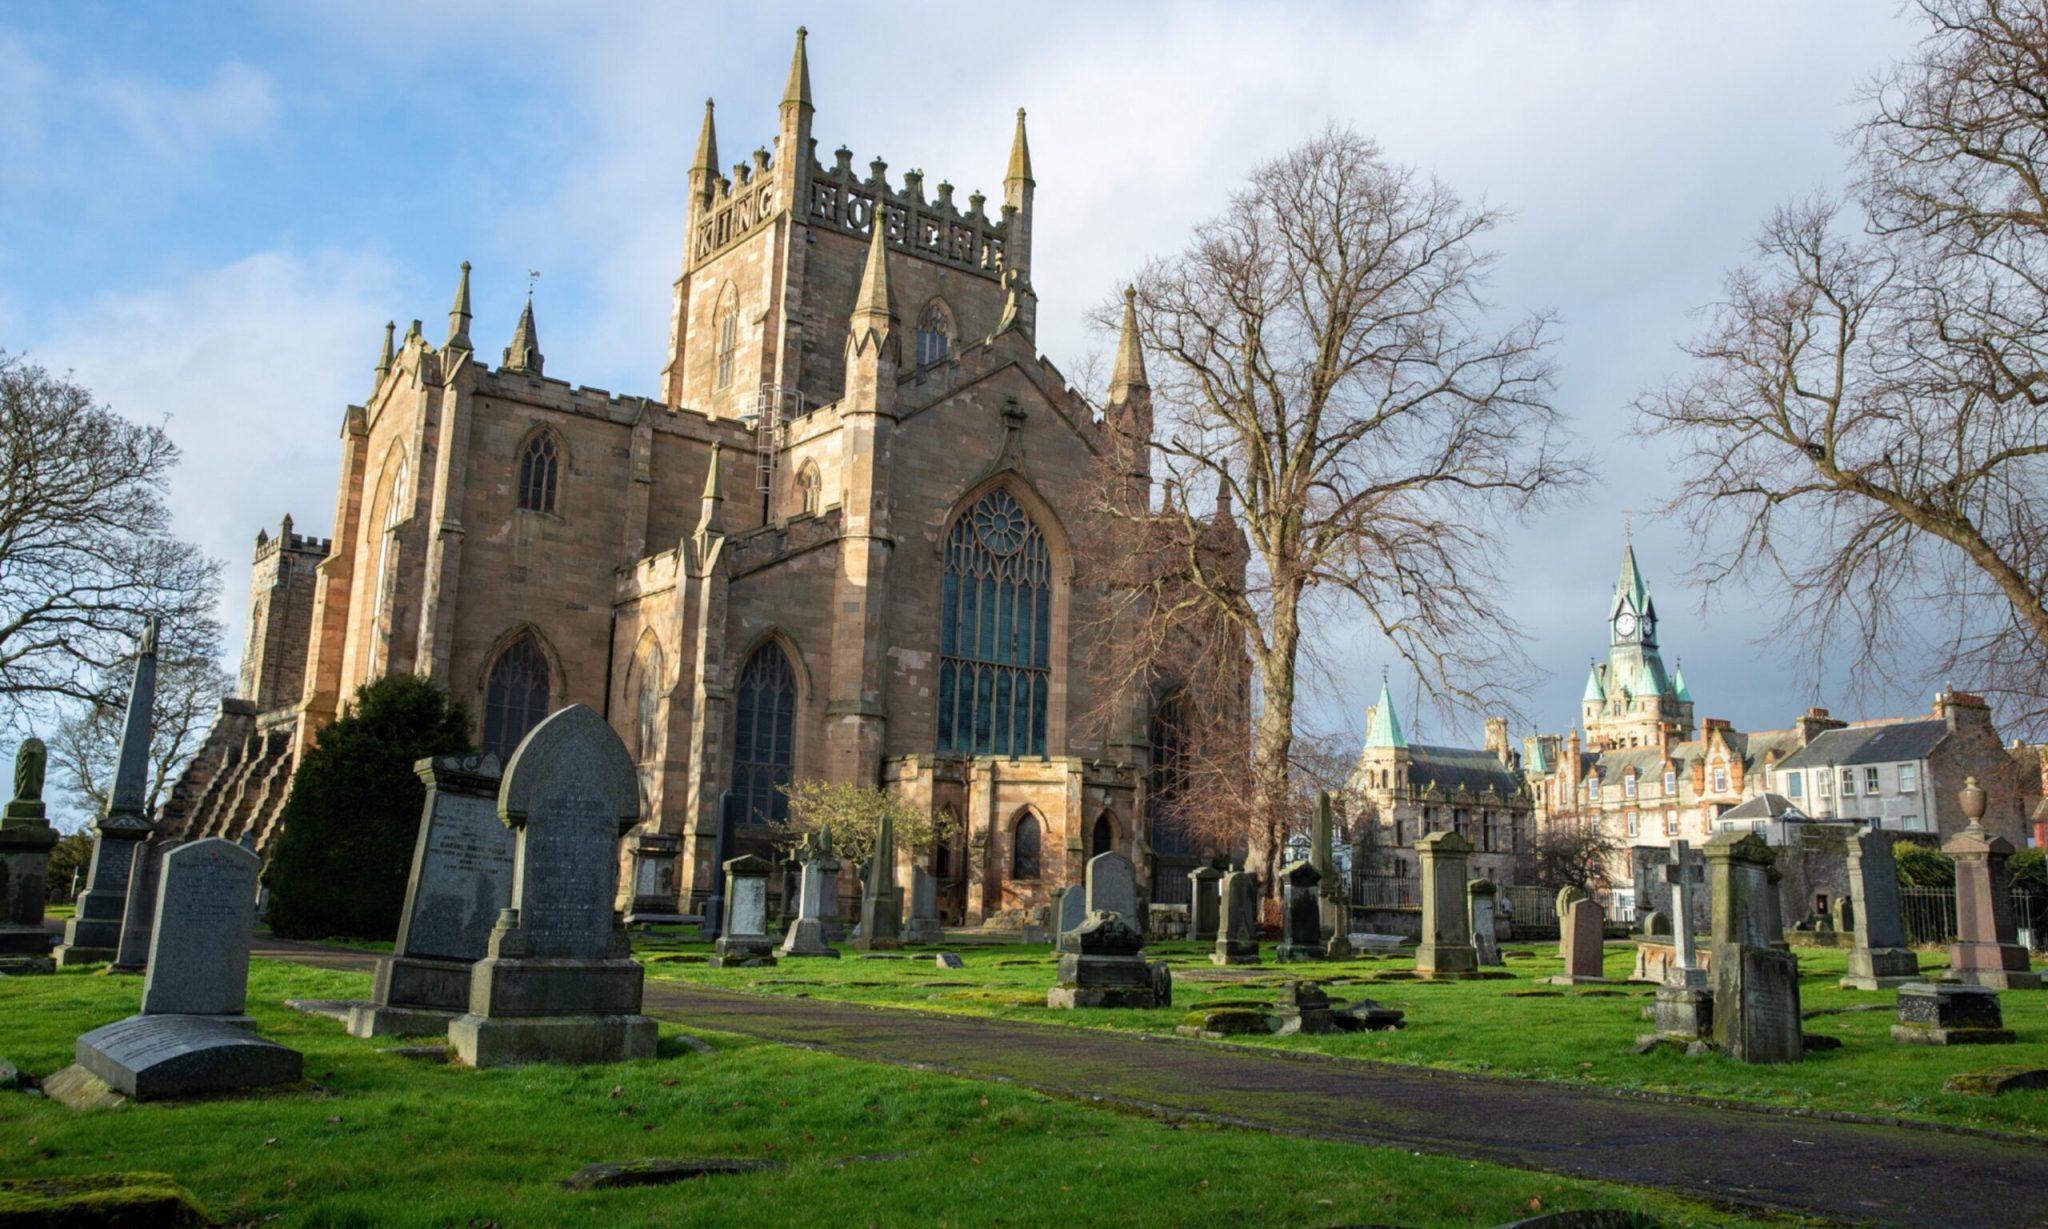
(1626, 624)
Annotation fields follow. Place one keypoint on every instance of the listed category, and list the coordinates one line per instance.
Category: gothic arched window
(728, 335)
(1169, 775)
(934, 334)
(1024, 849)
(516, 697)
(387, 566)
(809, 487)
(995, 637)
(1104, 838)
(538, 462)
(764, 743)
(646, 699)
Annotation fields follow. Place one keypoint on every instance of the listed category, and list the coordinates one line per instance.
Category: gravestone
(1565, 896)
(131, 951)
(1774, 905)
(191, 1035)
(1446, 949)
(1301, 913)
(923, 926)
(807, 935)
(26, 838)
(1336, 918)
(1584, 934)
(1204, 903)
(1113, 888)
(745, 943)
(1946, 1015)
(651, 859)
(1303, 1007)
(556, 983)
(461, 880)
(1237, 934)
(1073, 911)
(1986, 951)
(1481, 896)
(94, 930)
(881, 908)
(721, 853)
(1878, 958)
(1756, 988)
(1102, 964)
(1684, 1010)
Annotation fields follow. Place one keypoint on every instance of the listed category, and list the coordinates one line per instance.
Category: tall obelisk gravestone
(25, 841)
(558, 984)
(95, 932)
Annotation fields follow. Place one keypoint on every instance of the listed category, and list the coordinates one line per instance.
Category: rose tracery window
(995, 639)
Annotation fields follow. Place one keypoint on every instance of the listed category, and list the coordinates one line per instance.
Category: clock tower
(1631, 701)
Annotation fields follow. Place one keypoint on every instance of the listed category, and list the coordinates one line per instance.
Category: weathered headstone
(713, 924)
(1072, 913)
(461, 881)
(1446, 949)
(1946, 1015)
(1585, 950)
(1481, 895)
(26, 838)
(1845, 915)
(651, 859)
(807, 935)
(1774, 906)
(1204, 903)
(94, 931)
(557, 984)
(1113, 888)
(131, 951)
(1301, 914)
(1986, 951)
(1756, 989)
(1237, 935)
(192, 1036)
(745, 943)
(923, 924)
(1879, 958)
(1657, 924)
(881, 908)
(1322, 839)
(1565, 896)
(1102, 964)
(1685, 1005)
(1303, 1007)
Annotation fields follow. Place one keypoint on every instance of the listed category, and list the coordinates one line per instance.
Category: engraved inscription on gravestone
(465, 875)
(749, 905)
(568, 911)
(199, 946)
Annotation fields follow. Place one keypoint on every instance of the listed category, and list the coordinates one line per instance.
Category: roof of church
(1452, 768)
(1871, 744)
(1385, 728)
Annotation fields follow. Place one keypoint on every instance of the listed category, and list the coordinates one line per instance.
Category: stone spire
(704, 167)
(1385, 729)
(458, 315)
(798, 92)
(524, 353)
(131, 771)
(1129, 372)
(712, 518)
(1020, 156)
(871, 308)
(384, 359)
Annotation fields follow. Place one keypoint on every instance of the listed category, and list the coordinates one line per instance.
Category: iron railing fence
(1929, 915)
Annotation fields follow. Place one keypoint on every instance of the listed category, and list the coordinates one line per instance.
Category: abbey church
(846, 541)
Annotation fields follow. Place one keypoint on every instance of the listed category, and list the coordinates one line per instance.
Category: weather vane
(532, 275)
(1628, 523)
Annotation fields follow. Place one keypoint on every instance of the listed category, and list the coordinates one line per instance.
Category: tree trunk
(1273, 741)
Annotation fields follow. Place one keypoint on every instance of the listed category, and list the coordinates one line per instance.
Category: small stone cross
(1682, 872)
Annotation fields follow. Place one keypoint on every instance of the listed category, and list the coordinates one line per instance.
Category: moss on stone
(97, 1201)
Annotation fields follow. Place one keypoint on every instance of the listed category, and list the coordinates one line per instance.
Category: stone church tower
(848, 540)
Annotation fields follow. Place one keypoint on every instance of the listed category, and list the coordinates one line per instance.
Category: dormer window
(1628, 786)
(1720, 778)
(1670, 783)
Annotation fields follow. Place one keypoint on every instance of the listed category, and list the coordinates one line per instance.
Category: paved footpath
(1850, 1172)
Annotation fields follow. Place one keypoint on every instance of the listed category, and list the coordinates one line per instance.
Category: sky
(208, 212)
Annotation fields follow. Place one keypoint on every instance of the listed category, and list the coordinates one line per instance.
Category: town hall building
(847, 540)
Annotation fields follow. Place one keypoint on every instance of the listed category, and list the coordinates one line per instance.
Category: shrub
(1923, 866)
(345, 848)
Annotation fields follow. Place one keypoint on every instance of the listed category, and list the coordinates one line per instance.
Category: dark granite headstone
(1942, 1014)
(745, 943)
(1878, 957)
(1204, 903)
(1102, 964)
(131, 953)
(1237, 936)
(1301, 914)
(94, 930)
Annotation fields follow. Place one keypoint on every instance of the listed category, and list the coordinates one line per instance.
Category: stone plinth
(1237, 935)
(1940, 1014)
(1301, 914)
(651, 858)
(745, 943)
(556, 983)
(1986, 951)
(461, 881)
(807, 935)
(1878, 956)
(1684, 1013)
(1303, 1008)
(25, 842)
(1446, 949)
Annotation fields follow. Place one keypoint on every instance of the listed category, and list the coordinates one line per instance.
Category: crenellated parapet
(296, 543)
(933, 229)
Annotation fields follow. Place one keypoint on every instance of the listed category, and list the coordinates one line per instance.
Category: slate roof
(1870, 744)
(1452, 768)
(1765, 806)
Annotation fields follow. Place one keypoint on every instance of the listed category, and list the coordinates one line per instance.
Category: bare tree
(1864, 430)
(87, 745)
(1323, 366)
(85, 544)
(1574, 853)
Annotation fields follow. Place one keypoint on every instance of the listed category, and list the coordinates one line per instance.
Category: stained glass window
(516, 698)
(995, 638)
(934, 335)
(764, 744)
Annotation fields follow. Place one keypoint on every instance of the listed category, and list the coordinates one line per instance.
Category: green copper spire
(1595, 693)
(1385, 730)
(1678, 685)
(1630, 592)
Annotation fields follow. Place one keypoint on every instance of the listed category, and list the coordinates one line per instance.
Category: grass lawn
(379, 1140)
(1508, 1027)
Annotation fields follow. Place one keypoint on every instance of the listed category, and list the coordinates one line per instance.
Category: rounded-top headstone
(199, 942)
(571, 792)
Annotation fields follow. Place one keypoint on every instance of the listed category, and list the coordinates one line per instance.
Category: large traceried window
(763, 747)
(1169, 775)
(647, 700)
(516, 697)
(728, 335)
(995, 638)
(538, 462)
(387, 568)
(934, 334)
